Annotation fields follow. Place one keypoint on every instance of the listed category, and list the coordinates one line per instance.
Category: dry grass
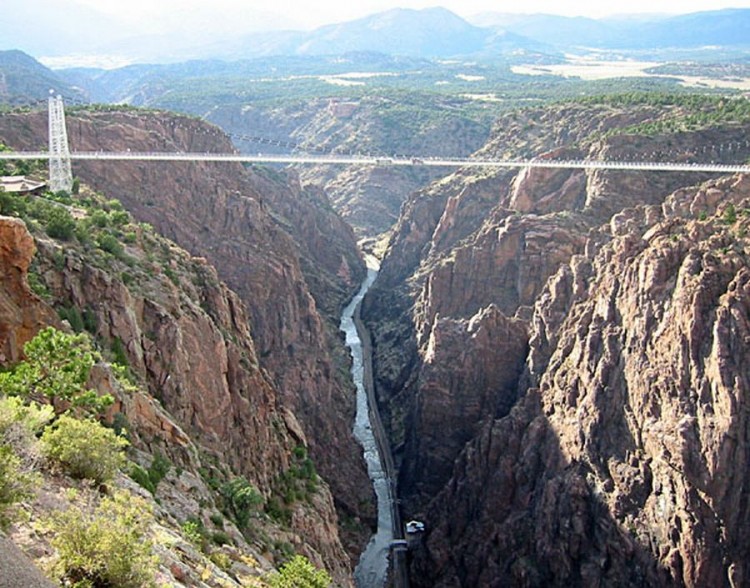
(587, 68)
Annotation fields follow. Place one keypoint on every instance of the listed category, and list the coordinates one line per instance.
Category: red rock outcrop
(191, 344)
(493, 238)
(203, 400)
(470, 370)
(22, 313)
(624, 466)
(280, 246)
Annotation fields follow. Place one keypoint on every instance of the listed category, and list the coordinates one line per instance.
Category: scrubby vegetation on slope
(82, 478)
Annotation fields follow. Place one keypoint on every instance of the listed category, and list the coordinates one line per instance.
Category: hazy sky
(312, 13)
(115, 32)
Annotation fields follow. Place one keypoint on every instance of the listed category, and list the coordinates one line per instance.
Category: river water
(372, 569)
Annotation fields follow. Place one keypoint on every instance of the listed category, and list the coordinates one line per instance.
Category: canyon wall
(280, 246)
(201, 399)
(455, 318)
(367, 197)
(621, 464)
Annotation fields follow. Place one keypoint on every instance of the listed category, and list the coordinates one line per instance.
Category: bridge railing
(363, 160)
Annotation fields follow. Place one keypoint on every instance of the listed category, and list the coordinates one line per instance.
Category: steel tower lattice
(60, 173)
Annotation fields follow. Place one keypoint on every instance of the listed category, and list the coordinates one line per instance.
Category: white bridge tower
(60, 174)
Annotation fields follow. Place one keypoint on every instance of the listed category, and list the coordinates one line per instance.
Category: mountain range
(23, 79)
(712, 28)
(433, 32)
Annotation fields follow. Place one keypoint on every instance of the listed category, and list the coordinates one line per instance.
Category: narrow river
(372, 570)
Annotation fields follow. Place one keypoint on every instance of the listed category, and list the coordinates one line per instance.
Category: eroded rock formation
(280, 246)
(205, 399)
(21, 312)
(621, 466)
(495, 242)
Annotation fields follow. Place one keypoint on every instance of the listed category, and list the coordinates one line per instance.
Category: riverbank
(398, 574)
(372, 569)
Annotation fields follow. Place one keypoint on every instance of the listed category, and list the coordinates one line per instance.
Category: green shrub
(106, 547)
(195, 532)
(159, 468)
(299, 573)
(730, 214)
(149, 479)
(119, 353)
(298, 483)
(56, 369)
(220, 538)
(37, 286)
(58, 258)
(283, 551)
(59, 196)
(221, 560)
(73, 316)
(172, 275)
(306, 470)
(109, 243)
(89, 320)
(121, 425)
(60, 224)
(83, 233)
(12, 204)
(99, 218)
(31, 417)
(278, 511)
(85, 448)
(15, 486)
(140, 476)
(119, 218)
(242, 498)
(114, 204)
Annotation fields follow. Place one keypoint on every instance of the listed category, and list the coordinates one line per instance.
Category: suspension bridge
(60, 158)
(334, 159)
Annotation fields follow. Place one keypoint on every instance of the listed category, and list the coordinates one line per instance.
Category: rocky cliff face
(368, 198)
(280, 246)
(471, 247)
(191, 343)
(201, 399)
(21, 314)
(620, 463)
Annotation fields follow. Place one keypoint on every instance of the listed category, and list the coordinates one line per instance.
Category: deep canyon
(560, 356)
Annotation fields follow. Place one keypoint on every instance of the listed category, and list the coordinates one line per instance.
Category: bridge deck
(357, 160)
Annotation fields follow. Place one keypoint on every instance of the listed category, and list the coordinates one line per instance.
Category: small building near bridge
(20, 185)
